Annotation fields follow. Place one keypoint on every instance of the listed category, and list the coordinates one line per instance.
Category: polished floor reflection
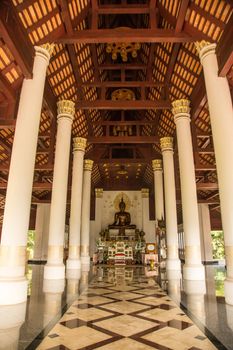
(110, 308)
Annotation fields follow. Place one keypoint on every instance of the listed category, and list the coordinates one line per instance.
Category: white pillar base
(228, 289)
(173, 264)
(13, 291)
(54, 286)
(173, 274)
(194, 272)
(73, 264)
(54, 272)
(194, 287)
(85, 260)
(73, 274)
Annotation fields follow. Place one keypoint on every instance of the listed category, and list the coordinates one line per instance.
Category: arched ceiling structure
(122, 135)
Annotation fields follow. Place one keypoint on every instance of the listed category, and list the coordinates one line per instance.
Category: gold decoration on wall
(166, 143)
(125, 199)
(88, 164)
(157, 164)
(123, 95)
(122, 130)
(123, 49)
(181, 106)
(79, 144)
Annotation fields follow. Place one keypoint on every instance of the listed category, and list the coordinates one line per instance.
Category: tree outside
(218, 244)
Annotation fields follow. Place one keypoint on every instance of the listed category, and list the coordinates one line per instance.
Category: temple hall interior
(116, 174)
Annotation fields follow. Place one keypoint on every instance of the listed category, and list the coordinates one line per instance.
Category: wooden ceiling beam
(123, 9)
(117, 66)
(123, 139)
(131, 35)
(7, 123)
(123, 84)
(181, 15)
(126, 105)
(125, 122)
(15, 39)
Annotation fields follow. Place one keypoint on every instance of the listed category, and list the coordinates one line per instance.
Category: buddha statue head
(122, 205)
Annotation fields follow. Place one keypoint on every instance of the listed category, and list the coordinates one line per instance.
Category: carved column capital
(65, 108)
(79, 144)
(145, 192)
(88, 164)
(99, 192)
(166, 144)
(45, 51)
(205, 48)
(157, 164)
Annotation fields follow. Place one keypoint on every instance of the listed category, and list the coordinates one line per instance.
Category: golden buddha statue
(122, 218)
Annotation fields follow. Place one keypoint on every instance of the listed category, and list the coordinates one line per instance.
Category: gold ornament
(88, 164)
(48, 47)
(99, 192)
(157, 164)
(79, 144)
(145, 192)
(123, 49)
(181, 107)
(123, 95)
(65, 108)
(166, 143)
(204, 48)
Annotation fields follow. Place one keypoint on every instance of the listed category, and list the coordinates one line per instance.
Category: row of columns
(221, 117)
(13, 284)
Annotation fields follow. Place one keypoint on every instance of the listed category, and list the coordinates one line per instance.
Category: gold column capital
(88, 164)
(166, 143)
(181, 106)
(145, 192)
(45, 50)
(99, 192)
(204, 48)
(79, 144)
(65, 108)
(157, 164)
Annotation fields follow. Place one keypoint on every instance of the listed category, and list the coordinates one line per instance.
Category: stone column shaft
(42, 232)
(221, 118)
(86, 201)
(158, 186)
(55, 268)
(74, 261)
(173, 262)
(193, 269)
(145, 209)
(13, 285)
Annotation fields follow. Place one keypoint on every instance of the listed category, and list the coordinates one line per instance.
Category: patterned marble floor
(123, 311)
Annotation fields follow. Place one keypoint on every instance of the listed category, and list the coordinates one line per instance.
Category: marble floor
(111, 308)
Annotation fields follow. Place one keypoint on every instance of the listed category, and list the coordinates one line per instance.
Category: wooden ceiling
(167, 67)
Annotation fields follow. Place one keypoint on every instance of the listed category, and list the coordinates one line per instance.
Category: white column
(221, 118)
(158, 188)
(55, 269)
(41, 232)
(98, 209)
(97, 227)
(193, 268)
(13, 284)
(145, 209)
(205, 230)
(86, 201)
(172, 262)
(79, 145)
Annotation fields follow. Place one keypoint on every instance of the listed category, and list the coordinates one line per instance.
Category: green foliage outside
(218, 244)
(30, 244)
(220, 275)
